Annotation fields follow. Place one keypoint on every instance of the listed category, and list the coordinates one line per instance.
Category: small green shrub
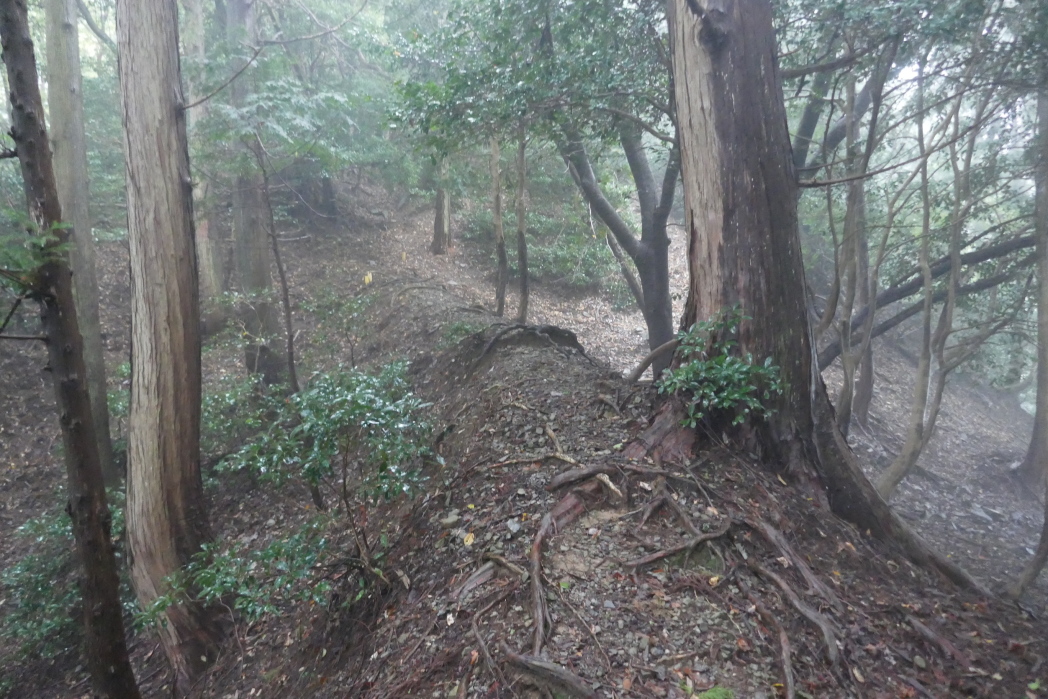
(365, 429)
(235, 411)
(716, 381)
(254, 582)
(42, 611)
(455, 333)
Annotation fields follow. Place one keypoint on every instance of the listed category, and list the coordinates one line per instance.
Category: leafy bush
(715, 380)
(367, 427)
(254, 582)
(239, 409)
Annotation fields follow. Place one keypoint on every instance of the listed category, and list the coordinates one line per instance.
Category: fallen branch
(812, 615)
(493, 668)
(674, 550)
(550, 676)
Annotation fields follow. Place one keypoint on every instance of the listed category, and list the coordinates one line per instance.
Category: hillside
(533, 530)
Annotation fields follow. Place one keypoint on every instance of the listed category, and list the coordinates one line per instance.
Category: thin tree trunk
(442, 212)
(1035, 465)
(915, 435)
(251, 243)
(502, 273)
(207, 266)
(66, 104)
(105, 646)
(1034, 468)
(285, 295)
(522, 228)
(166, 514)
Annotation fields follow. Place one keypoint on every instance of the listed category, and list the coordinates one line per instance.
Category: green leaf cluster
(714, 380)
(365, 429)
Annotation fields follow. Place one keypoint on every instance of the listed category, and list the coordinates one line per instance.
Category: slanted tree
(741, 216)
(51, 284)
(66, 107)
(166, 514)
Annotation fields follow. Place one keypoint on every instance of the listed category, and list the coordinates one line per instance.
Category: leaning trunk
(741, 215)
(105, 647)
(66, 104)
(166, 516)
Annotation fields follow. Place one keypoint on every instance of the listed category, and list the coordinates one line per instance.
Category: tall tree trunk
(66, 105)
(502, 273)
(262, 352)
(522, 229)
(1034, 468)
(442, 212)
(741, 215)
(166, 514)
(207, 265)
(105, 647)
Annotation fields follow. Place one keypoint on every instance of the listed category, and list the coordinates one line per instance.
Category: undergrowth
(715, 380)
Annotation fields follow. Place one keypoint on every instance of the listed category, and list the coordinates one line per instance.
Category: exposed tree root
(554, 335)
(815, 586)
(815, 617)
(784, 640)
(947, 647)
(549, 676)
(674, 550)
(565, 511)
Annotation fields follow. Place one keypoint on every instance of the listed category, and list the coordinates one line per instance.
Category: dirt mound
(542, 558)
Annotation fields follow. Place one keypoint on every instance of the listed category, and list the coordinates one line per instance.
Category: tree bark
(66, 105)
(650, 253)
(502, 273)
(1034, 468)
(741, 215)
(207, 267)
(442, 212)
(166, 515)
(105, 646)
(522, 228)
(250, 240)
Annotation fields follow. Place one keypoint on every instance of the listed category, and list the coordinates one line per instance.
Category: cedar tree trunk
(522, 230)
(166, 516)
(52, 286)
(66, 106)
(741, 214)
(442, 212)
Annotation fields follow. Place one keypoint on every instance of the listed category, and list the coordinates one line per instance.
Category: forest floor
(653, 579)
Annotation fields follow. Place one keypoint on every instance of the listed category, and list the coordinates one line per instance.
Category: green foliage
(255, 581)
(42, 611)
(365, 429)
(714, 380)
(236, 411)
(716, 693)
(457, 332)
